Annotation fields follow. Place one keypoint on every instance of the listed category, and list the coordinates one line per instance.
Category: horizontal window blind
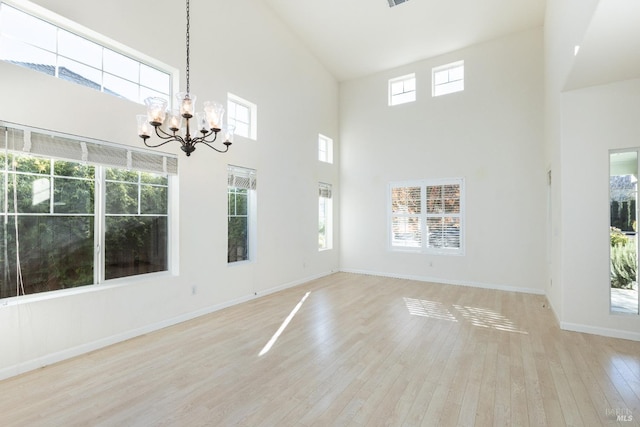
(324, 190)
(68, 147)
(240, 177)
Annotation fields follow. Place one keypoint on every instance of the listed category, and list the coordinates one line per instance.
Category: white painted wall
(491, 134)
(240, 47)
(594, 121)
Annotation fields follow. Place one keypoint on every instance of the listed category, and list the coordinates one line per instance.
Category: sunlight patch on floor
(425, 308)
(283, 326)
(480, 317)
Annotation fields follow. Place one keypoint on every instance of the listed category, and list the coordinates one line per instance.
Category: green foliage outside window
(56, 223)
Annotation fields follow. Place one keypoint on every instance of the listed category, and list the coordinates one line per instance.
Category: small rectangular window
(325, 217)
(241, 207)
(448, 78)
(402, 89)
(427, 216)
(325, 149)
(243, 115)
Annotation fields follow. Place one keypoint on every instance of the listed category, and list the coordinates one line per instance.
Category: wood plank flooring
(360, 351)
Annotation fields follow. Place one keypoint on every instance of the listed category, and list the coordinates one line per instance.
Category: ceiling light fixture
(208, 124)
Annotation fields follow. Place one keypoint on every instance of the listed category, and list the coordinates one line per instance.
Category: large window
(325, 217)
(241, 196)
(623, 231)
(41, 44)
(427, 216)
(58, 209)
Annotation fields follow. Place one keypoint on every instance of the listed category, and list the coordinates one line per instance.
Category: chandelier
(207, 124)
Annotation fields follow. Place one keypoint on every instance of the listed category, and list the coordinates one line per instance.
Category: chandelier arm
(227, 144)
(205, 136)
(166, 135)
(157, 145)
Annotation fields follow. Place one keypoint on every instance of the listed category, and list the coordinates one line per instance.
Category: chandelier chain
(187, 70)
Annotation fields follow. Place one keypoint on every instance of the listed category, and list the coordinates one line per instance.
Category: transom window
(402, 89)
(448, 78)
(325, 149)
(39, 43)
(243, 115)
(427, 216)
(83, 214)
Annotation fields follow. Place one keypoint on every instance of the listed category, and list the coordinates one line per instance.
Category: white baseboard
(59, 356)
(448, 282)
(606, 332)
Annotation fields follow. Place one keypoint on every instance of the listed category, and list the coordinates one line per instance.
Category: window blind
(324, 190)
(69, 147)
(240, 177)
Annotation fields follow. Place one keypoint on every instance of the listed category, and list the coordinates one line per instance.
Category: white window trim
(253, 114)
(423, 183)
(393, 101)
(94, 36)
(435, 88)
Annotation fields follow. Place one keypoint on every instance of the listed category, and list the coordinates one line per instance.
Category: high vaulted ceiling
(353, 38)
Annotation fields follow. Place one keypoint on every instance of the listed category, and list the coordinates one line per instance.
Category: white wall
(491, 134)
(594, 121)
(238, 47)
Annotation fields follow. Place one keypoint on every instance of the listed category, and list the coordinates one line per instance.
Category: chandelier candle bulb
(175, 121)
(156, 110)
(187, 104)
(144, 131)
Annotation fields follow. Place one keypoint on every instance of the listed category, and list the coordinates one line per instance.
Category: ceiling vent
(396, 2)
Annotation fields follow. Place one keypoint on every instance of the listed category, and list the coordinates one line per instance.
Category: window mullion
(99, 225)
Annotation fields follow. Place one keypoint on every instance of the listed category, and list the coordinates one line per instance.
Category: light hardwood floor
(360, 351)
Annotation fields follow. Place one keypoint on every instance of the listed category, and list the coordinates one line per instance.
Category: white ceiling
(353, 38)
(610, 49)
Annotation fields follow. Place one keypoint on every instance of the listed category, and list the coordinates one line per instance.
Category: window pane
(153, 178)
(57, 253)
(238, 239)
(135, 245)
(33, 193)
(451, 199)
(121, 66)
(81, 74)
(405, 200)
(155, 79)
(405, 231)
(121, 198)
(114, 174)
(27, 28)
(73, 196)
(434, 199)
(79, 49)
(153, 200)
(148, 93)
(120, 87)
(443, 232)
(28, 56)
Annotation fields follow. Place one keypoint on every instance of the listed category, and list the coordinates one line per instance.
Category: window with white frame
(402, 89)
(79, 212)
(427, 216)
(40, 42)
(325, 149)
(241, 196)
(448, 78)
(325, 217)
(243, 115)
